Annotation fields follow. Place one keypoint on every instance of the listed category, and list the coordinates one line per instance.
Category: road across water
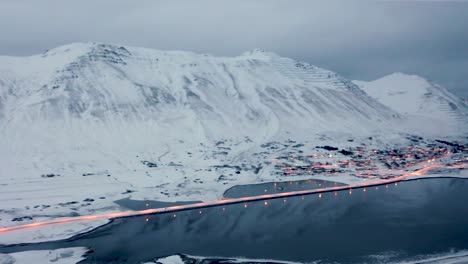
(174, 209)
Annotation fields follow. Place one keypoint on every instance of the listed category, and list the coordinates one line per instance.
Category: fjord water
(239, 191)
(399, 221)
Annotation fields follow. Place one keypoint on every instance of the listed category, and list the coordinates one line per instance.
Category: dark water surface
(138, 205)
(412, 218)
(277, 187)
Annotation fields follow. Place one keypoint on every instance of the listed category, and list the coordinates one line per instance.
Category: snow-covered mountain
(88, 106)
(87, 96)
(259, 93)
(171, 125)
(417, 98)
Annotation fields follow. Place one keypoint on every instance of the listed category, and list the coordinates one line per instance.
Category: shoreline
(417, 175)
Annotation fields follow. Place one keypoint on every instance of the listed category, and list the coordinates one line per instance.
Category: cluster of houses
(368, 163)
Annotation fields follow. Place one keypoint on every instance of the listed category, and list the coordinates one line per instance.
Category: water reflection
(414, 218)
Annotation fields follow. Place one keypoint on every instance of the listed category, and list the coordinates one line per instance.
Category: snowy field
(58, 256)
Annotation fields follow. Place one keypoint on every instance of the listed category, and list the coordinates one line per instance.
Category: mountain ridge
(161, 79)
(417, 96)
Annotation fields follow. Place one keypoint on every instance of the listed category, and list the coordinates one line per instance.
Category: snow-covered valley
(86, 124)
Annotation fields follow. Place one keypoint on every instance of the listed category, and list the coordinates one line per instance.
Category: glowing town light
(284, 200)
(245, 205)
(174, 215)
(336, 193)
(224, 209)
(199, 212)
(265, 203)
(147, 205)
(364, 190)
(350, 191)
(386, 186)
(396, 183)
(320, 195)
(146, 219)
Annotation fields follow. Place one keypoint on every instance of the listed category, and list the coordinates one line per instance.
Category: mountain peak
(70, 52)
(78, 49)
(109, 83)
(260, 54)
(416, 96)
(404, 77)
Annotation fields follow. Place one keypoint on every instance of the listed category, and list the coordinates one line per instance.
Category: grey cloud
(359, 39)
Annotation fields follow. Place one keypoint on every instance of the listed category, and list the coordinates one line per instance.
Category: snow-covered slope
(417, 98)
(166, 125)
(212, 97)
(87, 97)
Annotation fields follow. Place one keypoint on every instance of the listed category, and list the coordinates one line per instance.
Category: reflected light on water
(244, 200)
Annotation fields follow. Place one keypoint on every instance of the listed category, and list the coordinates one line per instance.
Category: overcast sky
(359, 39)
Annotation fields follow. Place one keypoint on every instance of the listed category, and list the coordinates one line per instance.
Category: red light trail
(174, 209)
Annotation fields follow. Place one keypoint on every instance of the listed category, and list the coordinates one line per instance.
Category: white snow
(428, 107)
(58, 256)
(51, 232)
(78, 123)
(460, 257)
(176, 259)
